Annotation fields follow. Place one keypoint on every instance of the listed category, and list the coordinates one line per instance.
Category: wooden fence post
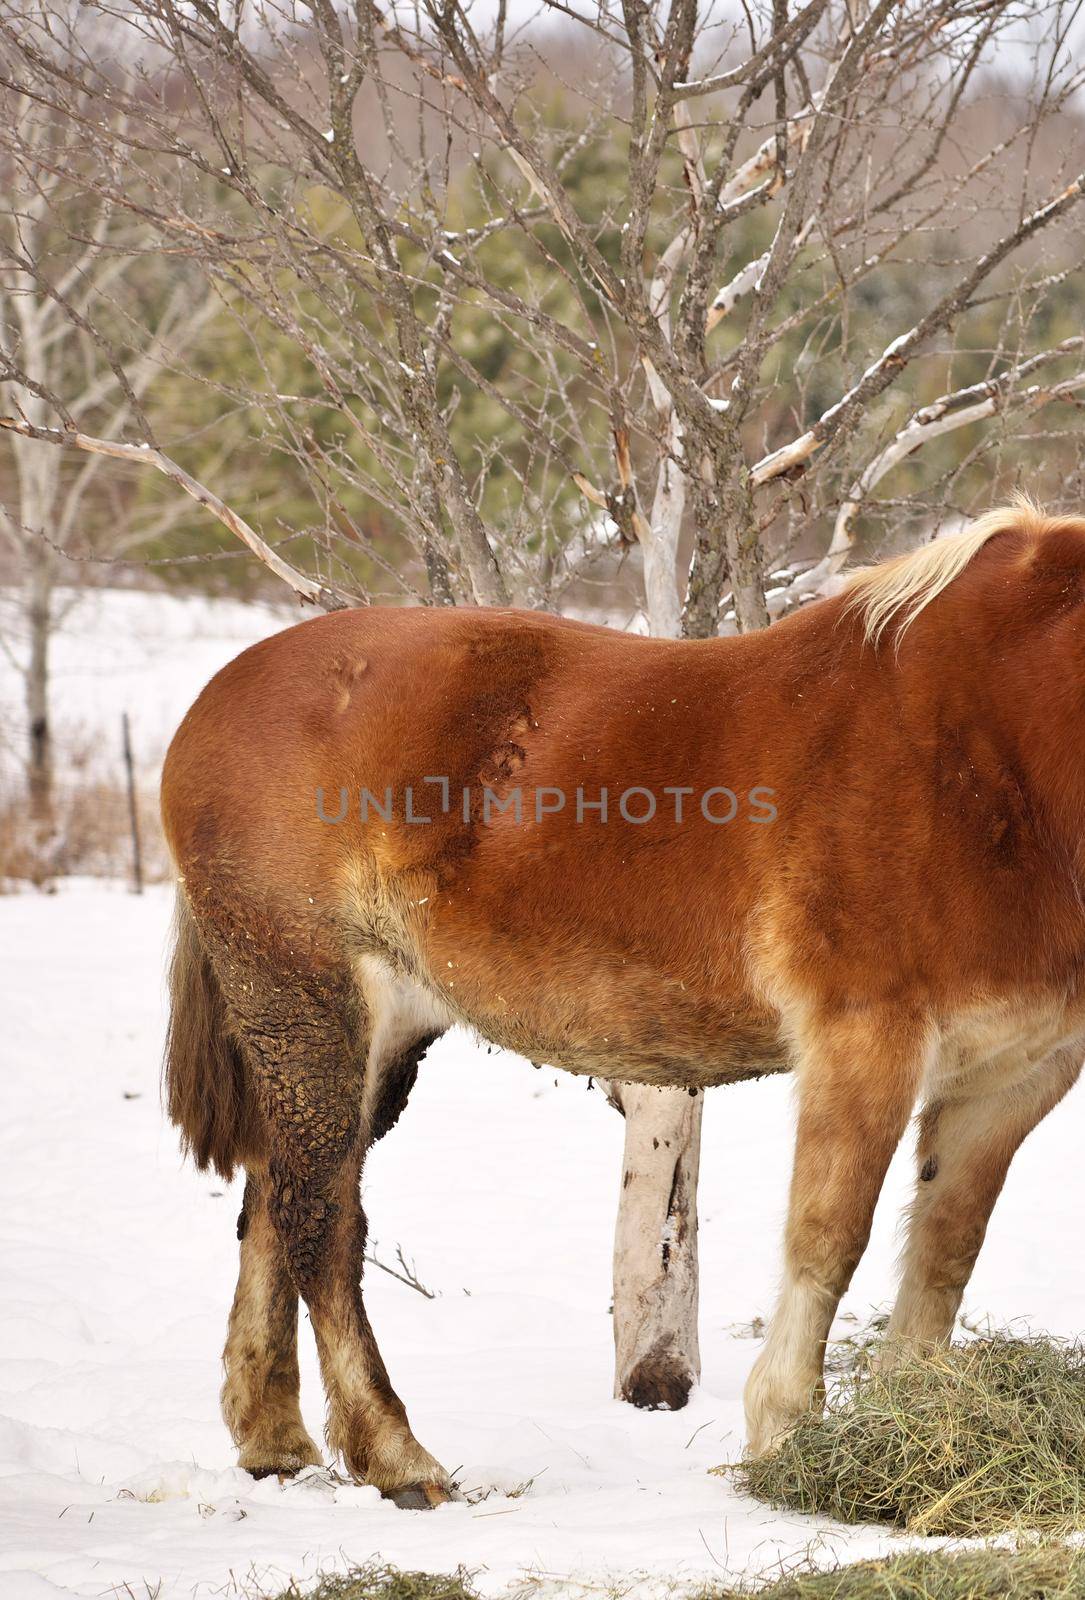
(133, 808)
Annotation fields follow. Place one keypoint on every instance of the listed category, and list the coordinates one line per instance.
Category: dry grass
(1040, 1572)
(374, 1581)
(980, 1438)
(89, 835)
(1045, 1572)
(88, 832)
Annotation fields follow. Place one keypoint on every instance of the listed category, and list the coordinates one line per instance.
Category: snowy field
(500, 1183)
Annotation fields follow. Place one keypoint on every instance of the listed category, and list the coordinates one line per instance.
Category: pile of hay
(1048, 1572)
(980, 1438)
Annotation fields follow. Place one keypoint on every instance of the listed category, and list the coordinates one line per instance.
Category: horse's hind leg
(260, 1397)
(305, 1039)
(963, 1153)
(858, 1076)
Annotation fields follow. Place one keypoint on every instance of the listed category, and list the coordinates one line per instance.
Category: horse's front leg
(858, 1075)
(965, 1147)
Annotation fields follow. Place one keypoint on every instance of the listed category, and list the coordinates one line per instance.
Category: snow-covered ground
(117, 1267)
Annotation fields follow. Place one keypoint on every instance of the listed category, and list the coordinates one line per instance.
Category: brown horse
(851, 845)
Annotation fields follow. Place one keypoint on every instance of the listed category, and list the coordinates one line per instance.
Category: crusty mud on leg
(260, 1397)
(306, 1043)
(367, 1422)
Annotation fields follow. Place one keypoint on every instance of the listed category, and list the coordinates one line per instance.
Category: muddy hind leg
(963, 1154)
(260, 1397)
(305, 1040)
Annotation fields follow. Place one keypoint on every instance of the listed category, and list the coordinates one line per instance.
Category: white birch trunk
(657, 1355)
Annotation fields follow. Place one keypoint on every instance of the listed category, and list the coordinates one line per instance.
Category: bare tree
(65, 276)
(742, 272)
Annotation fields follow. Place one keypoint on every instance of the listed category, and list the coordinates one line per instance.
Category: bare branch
(960, 409)
(896, 355)
(146, 455)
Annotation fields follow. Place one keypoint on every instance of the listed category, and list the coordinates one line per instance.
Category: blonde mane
(899, 589)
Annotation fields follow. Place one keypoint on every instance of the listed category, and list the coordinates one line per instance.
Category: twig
(408, 1276)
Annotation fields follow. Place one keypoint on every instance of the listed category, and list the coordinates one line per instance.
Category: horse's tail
(206, 1083)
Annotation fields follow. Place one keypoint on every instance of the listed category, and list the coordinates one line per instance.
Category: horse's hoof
(286, 1473)
(278, 1455)
(421, 1496)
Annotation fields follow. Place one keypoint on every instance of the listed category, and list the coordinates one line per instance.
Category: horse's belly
(744, 1053)
(642, 1033)
(604, 1015)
